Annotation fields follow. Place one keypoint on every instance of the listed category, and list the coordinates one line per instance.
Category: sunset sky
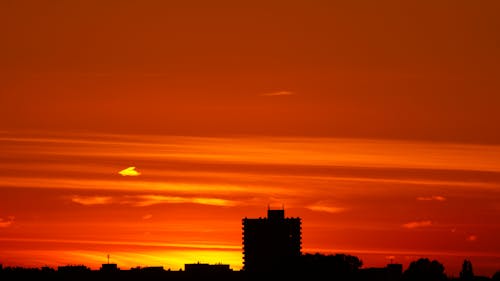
(376, 122)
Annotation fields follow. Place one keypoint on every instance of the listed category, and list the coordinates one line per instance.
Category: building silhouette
(109, 267)
(205, 268)
(73, 269)
(272, 243)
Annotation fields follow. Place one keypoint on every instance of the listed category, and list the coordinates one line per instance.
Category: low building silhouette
(272, 243)
(205, 268)
(109, 267)
(152, 269)
(73, 269)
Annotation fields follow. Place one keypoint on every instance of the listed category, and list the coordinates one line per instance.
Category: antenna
(108, 258)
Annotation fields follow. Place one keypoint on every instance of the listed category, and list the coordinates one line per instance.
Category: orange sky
(377, 123)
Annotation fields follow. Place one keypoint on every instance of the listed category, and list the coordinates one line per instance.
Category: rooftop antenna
(108, 258)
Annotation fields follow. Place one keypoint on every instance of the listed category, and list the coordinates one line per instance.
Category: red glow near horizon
(372, 198)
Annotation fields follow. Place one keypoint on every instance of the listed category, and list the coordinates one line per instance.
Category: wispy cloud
(130, 171)
(471, 238)
(147, 217)
(324, 151)
(279, 93)
(431, 198)
(200, 245)
(6, 222)
(149, 200)
(92, 200)
(417, 224)
(322, 207)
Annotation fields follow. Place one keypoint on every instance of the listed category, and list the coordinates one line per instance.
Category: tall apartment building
(271, 243)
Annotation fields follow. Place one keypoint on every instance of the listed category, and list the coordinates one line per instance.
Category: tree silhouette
(466, 273)
(424, 269)
(496, 276)
(337, 266)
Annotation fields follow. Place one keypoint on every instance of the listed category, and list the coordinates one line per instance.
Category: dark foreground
(152, 275)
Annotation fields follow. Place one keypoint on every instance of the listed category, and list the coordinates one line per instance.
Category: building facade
(272, 243)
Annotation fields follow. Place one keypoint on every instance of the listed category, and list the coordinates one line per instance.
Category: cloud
(92, 200)
(148, 200)
(280, 93)
(431, 198)
(417, 224)
(130, 171)
(4, 223)
(147, 217)
(321, 207)
(471, 238)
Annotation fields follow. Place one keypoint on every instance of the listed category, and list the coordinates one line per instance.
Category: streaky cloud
(195, 245)
(431, 198)
(417, 224)
(321, 207)
(92, 200)
(279, 93)
(4, 223)
(149, 200)
(310, 151)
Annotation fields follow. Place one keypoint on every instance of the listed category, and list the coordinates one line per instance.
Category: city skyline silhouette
(271, 249)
